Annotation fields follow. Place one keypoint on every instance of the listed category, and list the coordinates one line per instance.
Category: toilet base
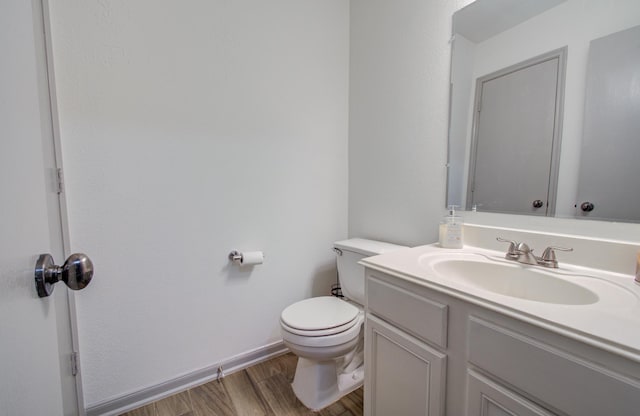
(317, 384)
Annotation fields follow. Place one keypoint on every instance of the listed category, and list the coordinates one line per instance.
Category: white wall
(398, 102)
(190, 129)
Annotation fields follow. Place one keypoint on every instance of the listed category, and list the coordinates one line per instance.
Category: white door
(35, 345)
(516, 115)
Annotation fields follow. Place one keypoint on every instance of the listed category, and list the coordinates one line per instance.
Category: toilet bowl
(326, 333)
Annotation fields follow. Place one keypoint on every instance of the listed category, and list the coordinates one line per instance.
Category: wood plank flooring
(261, 390)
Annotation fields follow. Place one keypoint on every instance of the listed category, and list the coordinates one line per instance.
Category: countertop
(612, 323)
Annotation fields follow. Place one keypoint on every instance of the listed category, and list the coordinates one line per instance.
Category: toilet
(326, 332)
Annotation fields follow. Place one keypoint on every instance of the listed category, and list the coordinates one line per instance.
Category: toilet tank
(350, 273)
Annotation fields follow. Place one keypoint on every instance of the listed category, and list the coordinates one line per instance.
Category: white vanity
(468, 332)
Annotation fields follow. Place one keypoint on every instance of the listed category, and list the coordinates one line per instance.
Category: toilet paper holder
(249, 258)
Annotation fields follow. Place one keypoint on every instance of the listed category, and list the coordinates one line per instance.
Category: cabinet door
(486, 398)
(404, 376)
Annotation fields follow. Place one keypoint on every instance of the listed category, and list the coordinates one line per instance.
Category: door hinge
(74, 363)
(59, 181)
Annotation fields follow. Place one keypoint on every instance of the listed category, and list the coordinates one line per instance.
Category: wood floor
(263, 389)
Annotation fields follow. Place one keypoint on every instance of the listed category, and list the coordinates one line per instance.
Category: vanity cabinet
(404, 374)
(407, 376)
(433, 352)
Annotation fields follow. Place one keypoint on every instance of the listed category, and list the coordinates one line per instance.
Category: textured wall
(190, 129)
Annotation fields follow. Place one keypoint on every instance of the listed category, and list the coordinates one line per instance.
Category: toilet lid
(319, 313)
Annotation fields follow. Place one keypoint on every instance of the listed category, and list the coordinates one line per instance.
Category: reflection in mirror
(516, 112)
(611, 136)
(492, 35)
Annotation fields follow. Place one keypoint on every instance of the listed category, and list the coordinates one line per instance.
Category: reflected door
(514, 158)
(609, 181)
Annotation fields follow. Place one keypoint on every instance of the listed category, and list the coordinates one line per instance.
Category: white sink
(514, 279)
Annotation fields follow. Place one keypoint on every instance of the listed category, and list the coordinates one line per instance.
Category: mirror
(495, 36)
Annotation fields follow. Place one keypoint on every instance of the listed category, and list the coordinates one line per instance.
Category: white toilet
(326, 333)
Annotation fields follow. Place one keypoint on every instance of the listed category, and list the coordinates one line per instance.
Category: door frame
(66, 316)
(561, 55)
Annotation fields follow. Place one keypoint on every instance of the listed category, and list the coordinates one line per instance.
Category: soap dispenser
(451, 229)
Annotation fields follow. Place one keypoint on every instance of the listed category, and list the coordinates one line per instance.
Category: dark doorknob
(76, 273)
(586, 206)
(538, 203)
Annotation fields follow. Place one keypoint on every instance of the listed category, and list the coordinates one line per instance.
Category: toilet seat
(326, 341)
(323, 321)
(319, 332)
(319, 314)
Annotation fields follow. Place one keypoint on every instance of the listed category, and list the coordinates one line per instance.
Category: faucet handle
(512, 251)
(549, 255)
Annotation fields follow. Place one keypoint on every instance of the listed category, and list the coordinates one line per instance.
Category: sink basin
(515, 280)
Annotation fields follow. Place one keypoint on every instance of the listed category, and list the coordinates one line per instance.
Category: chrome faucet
(521, 253)
(525, 255)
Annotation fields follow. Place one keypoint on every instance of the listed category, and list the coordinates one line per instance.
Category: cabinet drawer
(552, 376)
(423, 318)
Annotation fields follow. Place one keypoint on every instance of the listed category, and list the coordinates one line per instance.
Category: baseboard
(150, 394)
